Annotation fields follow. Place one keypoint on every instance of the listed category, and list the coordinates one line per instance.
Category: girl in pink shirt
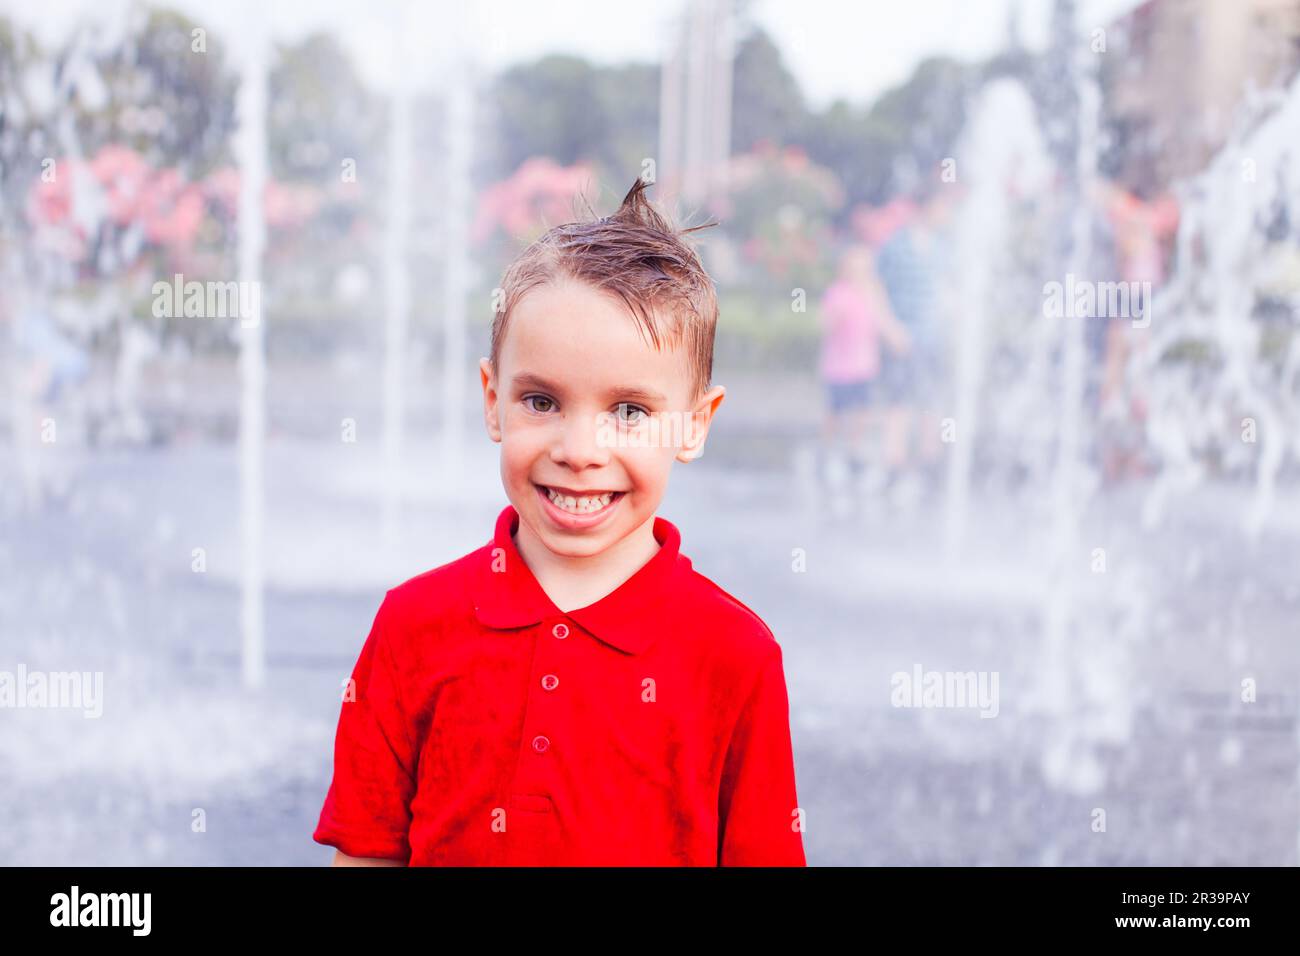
(855, 316)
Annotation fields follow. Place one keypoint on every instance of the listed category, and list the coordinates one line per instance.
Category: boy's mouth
(578, 502)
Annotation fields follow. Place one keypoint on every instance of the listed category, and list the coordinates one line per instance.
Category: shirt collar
(507, 595)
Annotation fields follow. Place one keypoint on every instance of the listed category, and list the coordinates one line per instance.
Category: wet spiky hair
(636, 254)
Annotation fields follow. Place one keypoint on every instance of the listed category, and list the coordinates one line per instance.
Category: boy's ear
(488, 378)
(698, 426)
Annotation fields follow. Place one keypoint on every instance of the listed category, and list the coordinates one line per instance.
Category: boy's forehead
(568, 300)
(589, 338)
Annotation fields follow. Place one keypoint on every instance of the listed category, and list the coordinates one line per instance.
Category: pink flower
(539, 194)
(158, 204)
(288, 206)
(50, 203)
(123, 173)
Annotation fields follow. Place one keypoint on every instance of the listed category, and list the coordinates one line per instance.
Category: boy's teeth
(579, 505)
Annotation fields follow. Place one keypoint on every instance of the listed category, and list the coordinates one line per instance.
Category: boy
(574, 693)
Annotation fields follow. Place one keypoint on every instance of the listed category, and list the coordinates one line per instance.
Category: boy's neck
(573, 583)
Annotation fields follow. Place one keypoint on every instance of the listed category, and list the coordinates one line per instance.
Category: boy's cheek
(648, 468)
(518, 437)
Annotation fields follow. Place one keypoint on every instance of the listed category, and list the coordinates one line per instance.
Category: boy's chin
(576, 546)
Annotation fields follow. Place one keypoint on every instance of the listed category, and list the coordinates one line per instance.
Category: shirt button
(540, 743)
(561, 631)
(550, 682)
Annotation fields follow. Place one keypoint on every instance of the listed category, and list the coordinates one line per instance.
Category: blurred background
(1009, 298)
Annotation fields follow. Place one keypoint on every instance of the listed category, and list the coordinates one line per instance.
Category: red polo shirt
(650, 728)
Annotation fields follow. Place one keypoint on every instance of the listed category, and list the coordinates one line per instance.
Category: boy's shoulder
(435, 592)
(722, 615)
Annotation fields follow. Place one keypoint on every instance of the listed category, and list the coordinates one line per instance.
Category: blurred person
(502, 713)
(50, 367)
(910, 265)
(137, 348)
(855, 316)
(1139, 229)
(1105, 262)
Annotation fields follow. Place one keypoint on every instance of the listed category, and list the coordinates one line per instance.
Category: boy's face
(583, 405)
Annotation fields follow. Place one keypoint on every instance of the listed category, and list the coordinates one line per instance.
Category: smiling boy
(574, 693)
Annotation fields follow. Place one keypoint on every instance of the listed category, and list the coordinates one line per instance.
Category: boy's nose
(580, 443)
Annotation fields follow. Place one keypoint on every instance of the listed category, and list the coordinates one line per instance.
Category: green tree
(173, 103)
(552, 107)
(767, 103)
(319, 111)
(22, 139)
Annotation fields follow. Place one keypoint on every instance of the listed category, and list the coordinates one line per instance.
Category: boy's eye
(546, 402)
(630, 414)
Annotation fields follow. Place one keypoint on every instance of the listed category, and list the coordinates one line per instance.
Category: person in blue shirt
(911, 265)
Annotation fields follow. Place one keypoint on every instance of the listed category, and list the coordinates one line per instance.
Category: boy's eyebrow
(529, 380)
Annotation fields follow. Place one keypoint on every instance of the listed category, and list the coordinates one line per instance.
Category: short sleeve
(759, 820)
(367, 809)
